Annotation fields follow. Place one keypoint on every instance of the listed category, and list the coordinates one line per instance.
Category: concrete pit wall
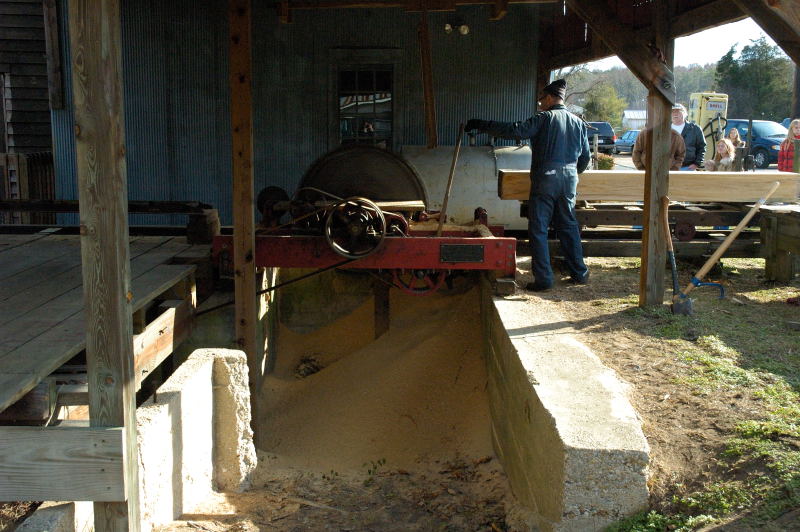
(569, 440)
(194, 438)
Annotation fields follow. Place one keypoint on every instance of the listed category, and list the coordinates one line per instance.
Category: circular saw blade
(367, 172)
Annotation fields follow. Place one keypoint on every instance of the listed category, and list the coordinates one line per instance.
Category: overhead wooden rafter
(683, 24)
(499, 7)
(641, 56)
(780, 19)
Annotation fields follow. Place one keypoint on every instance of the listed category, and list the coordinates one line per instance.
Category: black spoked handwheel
(355, 228)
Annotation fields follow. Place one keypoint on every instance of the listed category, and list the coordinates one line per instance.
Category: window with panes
(365, 105)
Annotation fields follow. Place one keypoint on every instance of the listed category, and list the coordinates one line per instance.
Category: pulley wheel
(355, 228)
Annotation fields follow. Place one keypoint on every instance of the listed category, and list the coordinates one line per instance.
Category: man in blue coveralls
(560, 151)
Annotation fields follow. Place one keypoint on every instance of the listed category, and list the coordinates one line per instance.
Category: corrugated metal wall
(176, 89)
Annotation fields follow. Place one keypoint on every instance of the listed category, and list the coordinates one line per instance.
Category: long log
(616, 185)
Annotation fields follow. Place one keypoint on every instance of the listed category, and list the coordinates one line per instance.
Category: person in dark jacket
(693, 138)
(560, 151)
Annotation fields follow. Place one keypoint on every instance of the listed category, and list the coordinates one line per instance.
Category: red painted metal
(411, 252)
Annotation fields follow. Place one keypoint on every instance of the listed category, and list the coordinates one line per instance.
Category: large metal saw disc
(365, 171)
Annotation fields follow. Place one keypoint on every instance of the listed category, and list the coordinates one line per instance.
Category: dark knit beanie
(558, 88)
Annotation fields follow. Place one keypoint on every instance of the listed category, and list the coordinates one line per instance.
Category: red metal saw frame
(452, 251)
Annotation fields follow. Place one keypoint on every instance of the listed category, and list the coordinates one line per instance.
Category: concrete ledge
(569, 439)
(193, 436)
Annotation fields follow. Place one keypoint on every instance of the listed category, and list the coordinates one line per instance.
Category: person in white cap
(692, 137)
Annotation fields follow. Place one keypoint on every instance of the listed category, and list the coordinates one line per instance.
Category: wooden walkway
(41, 300)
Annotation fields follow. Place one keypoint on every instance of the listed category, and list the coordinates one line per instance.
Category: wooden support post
(796, 95)
(426, 62)
(240, 21)
(95, 41)
(656, 177)
(55, 86)
(796, 160)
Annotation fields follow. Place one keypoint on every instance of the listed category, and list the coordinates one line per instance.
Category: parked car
(605, 136)
(626, 141)
(766, 141)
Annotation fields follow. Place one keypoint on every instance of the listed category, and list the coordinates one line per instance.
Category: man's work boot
(582, 280)
(536, 286)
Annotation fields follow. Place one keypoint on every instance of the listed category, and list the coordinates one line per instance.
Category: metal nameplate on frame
(461, 253)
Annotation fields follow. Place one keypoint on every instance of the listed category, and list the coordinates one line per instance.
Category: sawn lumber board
(628, 185)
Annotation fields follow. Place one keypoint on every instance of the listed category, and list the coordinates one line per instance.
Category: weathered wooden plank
(23, 20)
(29, 255)
(240, 77)
(33, 360)
(22, 57)
(161, 337)
(58, 463)
(55, 83)
(7, 8)
(61, 290)
(615, 185)
(633, 248)
(21, 34)
(23, 46)
(26, 105)
(426, 63)
(96, 52)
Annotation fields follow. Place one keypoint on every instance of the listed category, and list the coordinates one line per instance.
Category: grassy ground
(719, 393)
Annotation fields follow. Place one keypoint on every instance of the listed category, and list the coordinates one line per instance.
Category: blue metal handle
(695, 281)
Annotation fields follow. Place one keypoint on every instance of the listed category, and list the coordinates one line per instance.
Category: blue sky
(704, 47)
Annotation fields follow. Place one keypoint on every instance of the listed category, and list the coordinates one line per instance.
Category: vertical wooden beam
(95, 37)
(239, 18)
(55, 82)
(796, 95)
(656, 177)
(426, 62)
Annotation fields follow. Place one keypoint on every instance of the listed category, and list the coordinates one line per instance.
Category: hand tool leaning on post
(681, 302)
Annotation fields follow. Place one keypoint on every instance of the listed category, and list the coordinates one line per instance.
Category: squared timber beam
(62, 464)
(96, 56)
(241, 95)
(780, 19)
(642, 58)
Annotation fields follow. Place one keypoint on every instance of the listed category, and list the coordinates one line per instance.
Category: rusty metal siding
(176, 89)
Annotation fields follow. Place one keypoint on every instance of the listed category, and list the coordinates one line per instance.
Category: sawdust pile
(413, 399)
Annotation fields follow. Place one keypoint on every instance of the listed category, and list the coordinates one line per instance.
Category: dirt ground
(406, 485)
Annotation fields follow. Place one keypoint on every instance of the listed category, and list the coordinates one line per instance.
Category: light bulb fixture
(463, 29)
(448, 28)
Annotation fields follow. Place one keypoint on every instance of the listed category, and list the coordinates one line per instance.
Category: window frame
(348, 58)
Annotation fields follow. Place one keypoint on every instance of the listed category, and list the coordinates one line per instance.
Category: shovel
(681, 303)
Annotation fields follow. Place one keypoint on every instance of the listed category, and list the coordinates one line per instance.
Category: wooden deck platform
(41, 303)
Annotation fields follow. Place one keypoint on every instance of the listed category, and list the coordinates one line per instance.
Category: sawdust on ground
(393, 435)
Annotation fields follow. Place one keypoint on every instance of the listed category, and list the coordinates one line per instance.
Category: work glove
(472, 123)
